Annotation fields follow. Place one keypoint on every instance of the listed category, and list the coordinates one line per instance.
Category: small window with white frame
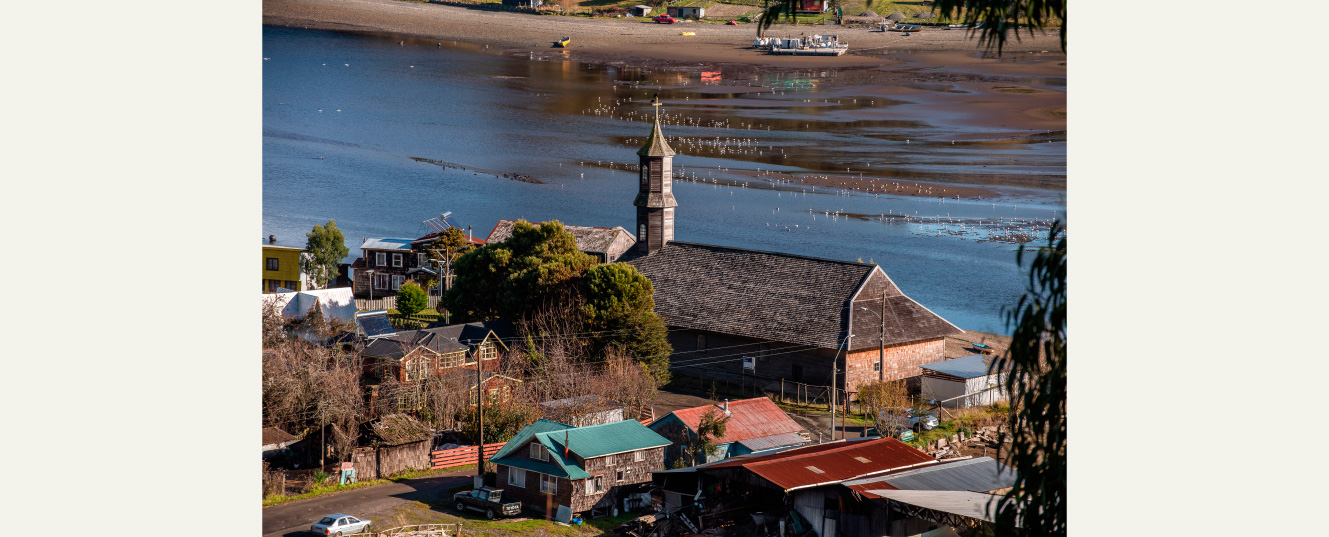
(609, 461)
(516, 477)
(638, 455)
(396, 281)
(396, 260)
(548, 484)
(381, 259)
(538, 452)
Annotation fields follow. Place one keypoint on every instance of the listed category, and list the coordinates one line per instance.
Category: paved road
(293, 519)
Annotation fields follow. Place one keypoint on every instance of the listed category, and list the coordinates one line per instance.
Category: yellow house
(281, 268)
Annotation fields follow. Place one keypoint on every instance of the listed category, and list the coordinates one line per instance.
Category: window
(272, 263)
(452, 359)
(493, 394)
(380, 259)
(609, 461)
(380, 281)
(396, 281)
(272, 285)
(641, 232)
(638, 456)
(548, 484)
(876, 366)
(294, 286)
(596, 484)
(538, 452)
(488, 351)
(620, 475)
(701, 342)
(516, 477)
(645, 174)
(396, 260)
(420, 260)
(417, 369)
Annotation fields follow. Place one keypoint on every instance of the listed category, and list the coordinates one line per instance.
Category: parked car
(664, 19)
(339, 524)
(895, 420)
(485, 500)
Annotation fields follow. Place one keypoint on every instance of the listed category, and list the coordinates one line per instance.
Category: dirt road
(293, 519)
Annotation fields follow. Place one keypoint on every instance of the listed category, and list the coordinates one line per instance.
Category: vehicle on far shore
(338, 525)
(485, 500)
(892, 421)
(664, 19)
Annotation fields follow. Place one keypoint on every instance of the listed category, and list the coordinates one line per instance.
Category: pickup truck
(486, 500)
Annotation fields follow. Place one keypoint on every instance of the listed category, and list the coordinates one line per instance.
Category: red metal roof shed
(751, 418)
(830, 463)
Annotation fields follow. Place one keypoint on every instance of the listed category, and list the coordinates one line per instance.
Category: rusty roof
(830, 463)
(749, 418)
(273, 435)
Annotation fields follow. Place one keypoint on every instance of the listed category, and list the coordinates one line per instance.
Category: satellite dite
(374, 324)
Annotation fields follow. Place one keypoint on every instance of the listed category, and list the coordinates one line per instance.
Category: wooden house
(411, 355)
(594, 470)
(393, 262)
(753, 425)
(812, 6)
(284, 267)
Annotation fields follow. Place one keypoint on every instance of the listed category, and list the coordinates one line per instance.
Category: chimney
(565, 444)
(726, 406)
(468, 234)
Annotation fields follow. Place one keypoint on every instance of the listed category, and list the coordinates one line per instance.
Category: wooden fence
(386, 302)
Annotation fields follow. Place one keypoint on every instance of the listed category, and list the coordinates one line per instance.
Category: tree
(411, 299)
(709, 428)
(1036, 381)
(887, 395)
(1000, 17)
(538, 279)
(327, 245)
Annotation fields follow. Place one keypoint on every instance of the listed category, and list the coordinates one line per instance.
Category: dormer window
(538, 452)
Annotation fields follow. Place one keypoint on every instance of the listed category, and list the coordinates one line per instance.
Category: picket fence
(462, 456)
(386, 303)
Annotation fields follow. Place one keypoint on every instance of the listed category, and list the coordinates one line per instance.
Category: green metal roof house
(590, 470)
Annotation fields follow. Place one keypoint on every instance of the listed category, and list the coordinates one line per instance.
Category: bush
(411, 299)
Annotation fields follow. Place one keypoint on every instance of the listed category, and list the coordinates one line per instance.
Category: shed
(963, 382)
(686, 12)
(640, 10)
(582, 411)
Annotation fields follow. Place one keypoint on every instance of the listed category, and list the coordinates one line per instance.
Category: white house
(336, 303)
(963, 382)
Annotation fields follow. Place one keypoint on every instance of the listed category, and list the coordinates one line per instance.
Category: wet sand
(941, 76)
(616, 39)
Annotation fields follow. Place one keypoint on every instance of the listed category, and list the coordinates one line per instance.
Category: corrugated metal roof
(604, 439)
(386, 244)
(981, 474)
(749, 419)
(774, 441)
(964, 503)
(558, 470)
(525, 434)
(831, 462)
(968, 367)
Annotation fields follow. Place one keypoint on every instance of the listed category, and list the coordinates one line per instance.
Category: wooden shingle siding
(902, 362)
(572, 493)
(906, 321)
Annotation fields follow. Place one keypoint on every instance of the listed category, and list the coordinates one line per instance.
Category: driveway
(293, 519)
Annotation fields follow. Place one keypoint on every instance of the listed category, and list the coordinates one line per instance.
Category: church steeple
(655, 198)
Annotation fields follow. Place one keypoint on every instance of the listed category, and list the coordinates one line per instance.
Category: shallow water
(343, 115)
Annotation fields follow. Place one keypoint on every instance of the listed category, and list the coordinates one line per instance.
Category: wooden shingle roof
(589, 239)
(776, 296)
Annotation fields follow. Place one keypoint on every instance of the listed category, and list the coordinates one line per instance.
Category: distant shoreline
(616, 40)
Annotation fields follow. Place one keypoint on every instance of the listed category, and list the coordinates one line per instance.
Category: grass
(439, 511)
(966, 421)
(326, 489)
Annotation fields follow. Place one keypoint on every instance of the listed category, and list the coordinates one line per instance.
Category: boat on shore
(563, 43)
(906, 28)
(815, 45)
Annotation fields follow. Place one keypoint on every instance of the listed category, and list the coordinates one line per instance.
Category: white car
(339, 525)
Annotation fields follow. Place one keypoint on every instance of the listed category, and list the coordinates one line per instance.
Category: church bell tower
(655, 197)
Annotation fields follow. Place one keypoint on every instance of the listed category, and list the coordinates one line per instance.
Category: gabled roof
(749, 419)
(441, 338)
(829, 463)
(273, 435)
(386, 244)
(526, 433)
(589, 239)
(605, 439)
(774, 296)
(336, 303)
(968, 367)
(980, 474)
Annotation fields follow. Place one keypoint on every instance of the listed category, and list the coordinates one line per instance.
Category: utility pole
(881, 341)
(480, 412)
(322, 436)
(834, 392)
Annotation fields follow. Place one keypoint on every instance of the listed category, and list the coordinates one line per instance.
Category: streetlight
(370, 273)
